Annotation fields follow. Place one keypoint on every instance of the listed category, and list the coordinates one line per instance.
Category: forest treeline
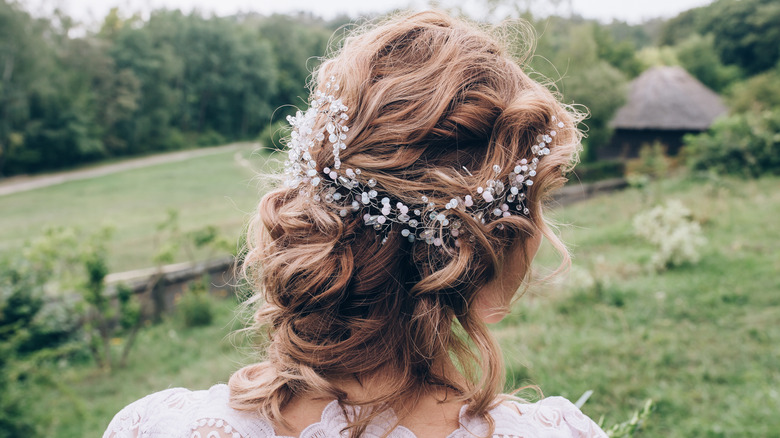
(138, 86)
(175, 80)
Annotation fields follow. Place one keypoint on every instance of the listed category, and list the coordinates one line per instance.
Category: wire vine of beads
(348, 192)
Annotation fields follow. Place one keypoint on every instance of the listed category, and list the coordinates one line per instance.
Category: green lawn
(701, 341)
(211, 190)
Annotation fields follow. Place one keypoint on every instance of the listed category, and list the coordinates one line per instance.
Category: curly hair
(428, 95)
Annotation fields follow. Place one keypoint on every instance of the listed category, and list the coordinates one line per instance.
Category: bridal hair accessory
(348, 192)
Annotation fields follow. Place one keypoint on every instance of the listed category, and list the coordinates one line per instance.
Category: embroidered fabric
(182, 413)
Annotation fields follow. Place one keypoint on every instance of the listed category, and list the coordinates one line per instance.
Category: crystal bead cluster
(348, 192)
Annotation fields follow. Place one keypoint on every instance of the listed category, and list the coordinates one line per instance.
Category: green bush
(598, 170)
(758, 93)
(211, 138)
(744, 144)
(196, 306)
(271, 137)
(653, 160)
(31, 333)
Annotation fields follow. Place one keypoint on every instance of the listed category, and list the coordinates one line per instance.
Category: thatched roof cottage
(664, 103)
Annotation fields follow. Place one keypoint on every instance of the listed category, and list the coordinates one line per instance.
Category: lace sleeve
(133, 421)
(182, 413)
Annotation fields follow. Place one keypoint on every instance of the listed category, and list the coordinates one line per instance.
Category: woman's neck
(433, 410)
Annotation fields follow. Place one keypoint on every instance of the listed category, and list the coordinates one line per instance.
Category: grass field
(212, 190)
(700, 341)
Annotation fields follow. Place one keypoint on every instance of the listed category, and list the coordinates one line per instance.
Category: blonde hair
(428, 95)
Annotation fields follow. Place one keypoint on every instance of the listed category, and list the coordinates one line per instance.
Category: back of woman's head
(437, 111)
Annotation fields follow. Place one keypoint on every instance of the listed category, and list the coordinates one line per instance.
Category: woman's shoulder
(179, 412)
(554, 417)
(182, 413)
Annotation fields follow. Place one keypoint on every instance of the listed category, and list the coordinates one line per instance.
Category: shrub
(745, 145)
(196, 306)
(758, 93)
(28, 338)
(105, 318)
(211, 138)
(271, 137)
(653, 160)
(598, 170)
(674, 233)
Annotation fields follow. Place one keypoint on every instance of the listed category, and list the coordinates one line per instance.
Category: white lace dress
(179, 412)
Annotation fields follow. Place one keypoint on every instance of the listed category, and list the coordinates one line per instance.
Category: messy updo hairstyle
(429, 96)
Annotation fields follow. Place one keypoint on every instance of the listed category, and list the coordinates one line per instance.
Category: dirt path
(24, 183)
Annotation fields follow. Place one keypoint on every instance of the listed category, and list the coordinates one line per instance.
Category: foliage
(297, 42)
(743, 144)
(598, 170)
(196, 75)
(633, 425)
(756, 94)
(682, 26)
(745, 32)
(195, 305)
(697, 55)
(602, 89)
(32, 333)
(106, 319)
(20, 302)
(271, 137)
(170, 241)
(674, 233)
(620, 55)
(589, 79)
(172, 80)
(638, 35)
(143, 85)
(656, 56)
(652, 161)
(211, 138)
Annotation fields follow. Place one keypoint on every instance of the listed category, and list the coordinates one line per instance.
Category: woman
(411, 208)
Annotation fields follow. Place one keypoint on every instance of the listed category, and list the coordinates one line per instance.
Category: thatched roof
(668, 98)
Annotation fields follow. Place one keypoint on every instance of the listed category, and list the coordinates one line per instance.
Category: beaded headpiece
(348, 192)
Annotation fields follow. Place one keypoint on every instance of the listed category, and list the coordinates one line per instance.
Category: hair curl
(428, 95)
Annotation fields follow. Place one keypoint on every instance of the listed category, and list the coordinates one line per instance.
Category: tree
(297, 44)
(22, 52)
(620, 55)
(758, 93)
(586, 79)
(697, 55)
(746, 33)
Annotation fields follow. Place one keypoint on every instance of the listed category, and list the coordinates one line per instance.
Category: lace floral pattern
(182, 413)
